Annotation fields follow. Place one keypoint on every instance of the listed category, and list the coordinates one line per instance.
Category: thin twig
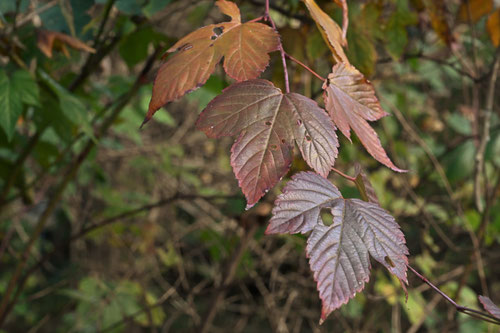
(485, 135)
(6, 305)
(305, 66)
(468, 311)
(352, 179)
(280, 47)
(229, 273)
(345, 20)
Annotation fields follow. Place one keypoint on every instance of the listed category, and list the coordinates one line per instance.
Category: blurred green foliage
(141, 238)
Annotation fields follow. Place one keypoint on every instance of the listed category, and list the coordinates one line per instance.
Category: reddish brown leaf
(474, 9)
(493, 27)
(350, 100)
(244, 46)
(268, 122)
(437, 13)
(50, 40)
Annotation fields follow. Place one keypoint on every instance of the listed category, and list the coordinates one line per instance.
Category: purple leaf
(339, 253)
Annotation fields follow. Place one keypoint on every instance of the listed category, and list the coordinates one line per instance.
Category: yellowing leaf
(475, 9)
(493, 27)
(49, 40)
(244, 46)
(350, 100)
(331, 32)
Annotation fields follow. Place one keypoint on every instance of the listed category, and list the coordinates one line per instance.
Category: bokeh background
(124, 229)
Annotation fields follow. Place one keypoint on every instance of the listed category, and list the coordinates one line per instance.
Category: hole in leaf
(213, 37)
(308, 138)
(299, 122)
(218, 31)
(274, 147)
(389, 261)
(185, 47)
(283, 141)
(268, 123)
(326, 216)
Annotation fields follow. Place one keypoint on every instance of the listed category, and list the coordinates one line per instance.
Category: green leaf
(71, 107)
(361, 51)
(23, 82)
(154, 6)
(10, 105)
(134, 47)
(395, 30)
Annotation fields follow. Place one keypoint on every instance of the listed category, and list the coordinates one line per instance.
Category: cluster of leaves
(124, 250)
(269, 122)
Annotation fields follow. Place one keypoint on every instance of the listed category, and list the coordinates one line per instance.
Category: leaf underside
(351, 102)
(267, 123)
(339, 254)
(489, 306)
(244, 46)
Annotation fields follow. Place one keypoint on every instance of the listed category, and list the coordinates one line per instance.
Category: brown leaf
(244, 46)
(350, 100)
(49, 40)
(437, 13)
(493, 27)
(331, 32)
(268, 122)
(475, 9)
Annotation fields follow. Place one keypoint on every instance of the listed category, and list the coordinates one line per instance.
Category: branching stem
(468, 311)
(280, 47)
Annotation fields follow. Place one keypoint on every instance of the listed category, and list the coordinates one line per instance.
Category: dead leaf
(331, 32)
(475, 9)
(48, 40)
(493, 27)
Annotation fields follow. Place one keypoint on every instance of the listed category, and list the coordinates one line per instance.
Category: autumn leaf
(330, 30)
(364, 185)
(493, 27)
(244, 46)
(489, 306)
(474, 9)
(47, 41)
(437, 13)
(339, 253)
(351, 102)
(268, 122)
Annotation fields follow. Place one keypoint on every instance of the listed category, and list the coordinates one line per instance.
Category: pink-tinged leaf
(298, 208)
(351, 102)
(489, 306)
(312, 122)
(339, 253)
(267, 123)
(244, 46)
